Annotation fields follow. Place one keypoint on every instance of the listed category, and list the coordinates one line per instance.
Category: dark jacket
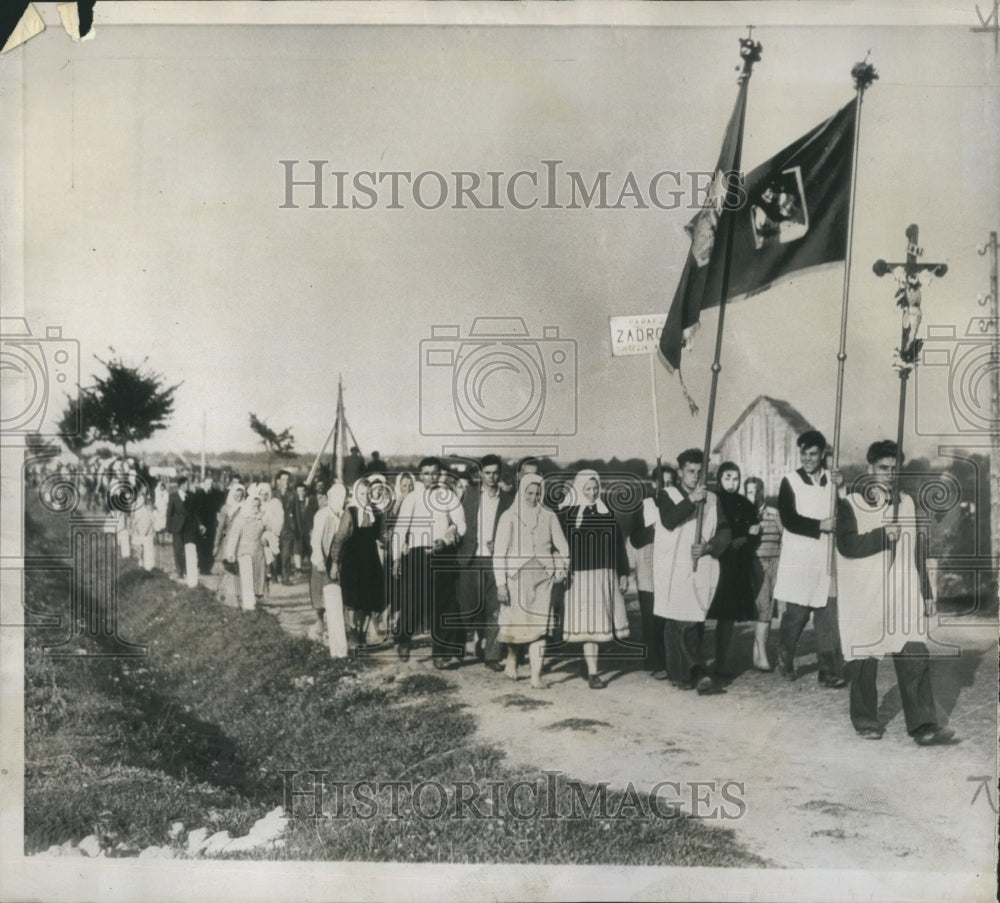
(596, 544)
(181, 517)
(470, 503)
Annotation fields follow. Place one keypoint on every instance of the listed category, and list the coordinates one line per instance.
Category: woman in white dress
(530, 555)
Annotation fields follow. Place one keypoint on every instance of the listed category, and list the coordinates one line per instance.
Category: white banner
(639, 334)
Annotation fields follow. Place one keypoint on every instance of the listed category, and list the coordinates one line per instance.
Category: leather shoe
(870, 733)
(495, 666)
(403, 652)
(660, 675)
(596, 683)
(934, 736)
(832, 682)
(786, 667)
(706, 686)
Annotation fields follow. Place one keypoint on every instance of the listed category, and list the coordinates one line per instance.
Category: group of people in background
(523, 572)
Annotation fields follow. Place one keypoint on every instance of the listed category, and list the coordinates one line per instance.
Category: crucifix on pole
(909, 298)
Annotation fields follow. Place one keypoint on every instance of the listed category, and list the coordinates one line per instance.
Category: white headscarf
(232, 506)
(399, 484)
(336, 495)
(246, 506)
(576, 497)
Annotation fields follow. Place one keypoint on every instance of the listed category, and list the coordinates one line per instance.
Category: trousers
(793, 622)
(654, 658)
(915, 692)
(478, 605)
(682, 646)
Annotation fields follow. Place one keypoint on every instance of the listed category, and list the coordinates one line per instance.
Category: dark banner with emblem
(792, 215)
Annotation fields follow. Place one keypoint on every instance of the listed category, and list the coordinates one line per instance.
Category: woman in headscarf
(162, 499)
(273, 512)
(327, 539)
(734, 599)
(228, 587)
(362, 578)
(765, 567)
(245, 542)
(599, 568)
(530, 555)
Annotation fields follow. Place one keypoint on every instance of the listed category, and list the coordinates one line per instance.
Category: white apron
(680, 592)
(880, 598)
(803, 576)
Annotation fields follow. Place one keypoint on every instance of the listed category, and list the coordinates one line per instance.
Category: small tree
(74, 427)
(127, 405)
(277, 444)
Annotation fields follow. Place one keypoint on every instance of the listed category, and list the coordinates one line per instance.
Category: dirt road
(816, 795)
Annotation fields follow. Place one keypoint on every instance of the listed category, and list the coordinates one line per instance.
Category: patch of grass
(577, 724)
(516, 701)
(421, 685)
(200, 729)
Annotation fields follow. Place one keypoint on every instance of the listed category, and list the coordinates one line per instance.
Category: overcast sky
(153, 219)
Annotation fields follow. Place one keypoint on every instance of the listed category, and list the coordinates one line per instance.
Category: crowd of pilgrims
(500, 568)
(513, 568)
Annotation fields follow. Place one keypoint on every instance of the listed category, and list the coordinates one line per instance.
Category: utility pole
(992, 300)
(204, 429)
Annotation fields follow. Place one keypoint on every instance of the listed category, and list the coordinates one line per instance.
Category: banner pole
(863, 74)
(656, 419)
(750, 54)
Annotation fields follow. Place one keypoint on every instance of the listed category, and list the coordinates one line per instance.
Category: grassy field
(200, 729)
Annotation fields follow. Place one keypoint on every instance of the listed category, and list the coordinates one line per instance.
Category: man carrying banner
(885, 600)
(804, 582)
(681, 594)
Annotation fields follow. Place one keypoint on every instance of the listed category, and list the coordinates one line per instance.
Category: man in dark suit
(182, 523)
(477, 589)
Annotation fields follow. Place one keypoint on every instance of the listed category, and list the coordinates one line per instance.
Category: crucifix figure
(908, 295)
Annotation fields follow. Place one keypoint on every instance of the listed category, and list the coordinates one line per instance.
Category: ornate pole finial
(750, 52)
(863, 73)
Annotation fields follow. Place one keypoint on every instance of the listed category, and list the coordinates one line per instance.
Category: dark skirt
(362, 579)
(736, 595)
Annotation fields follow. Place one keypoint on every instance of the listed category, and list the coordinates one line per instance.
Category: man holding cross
(885, 597)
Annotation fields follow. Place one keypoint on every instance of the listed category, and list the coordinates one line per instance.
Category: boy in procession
(681, 594)
(804, 582)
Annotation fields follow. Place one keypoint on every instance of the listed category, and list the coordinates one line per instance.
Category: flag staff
(750, 53)
(864, 74)
(656, 421)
